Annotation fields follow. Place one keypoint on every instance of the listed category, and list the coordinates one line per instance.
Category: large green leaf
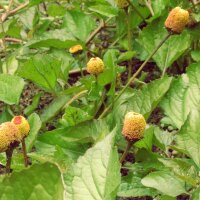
(10, 88)
(143, 100)
(164, 182)
(79, 24)
(38, 182)
(188, 138)
(96, 175)
(183, 96)
(170, 51)
(42, 70)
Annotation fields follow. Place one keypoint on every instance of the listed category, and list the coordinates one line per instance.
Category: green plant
(109, 91)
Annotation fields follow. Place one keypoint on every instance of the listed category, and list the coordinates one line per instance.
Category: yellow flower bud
(76, 49)
(122, 3)
(95, 66)
(9, 134)
(177, 20)
(22, 124)
(134, 126)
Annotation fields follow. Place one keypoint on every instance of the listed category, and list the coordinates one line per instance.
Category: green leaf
(188, 138)
(143, 100)
(74, 116)
(59, 38)
(56, 10)
(182, 168)
(42, 70)
(196, 194)
(196, 55)
(73, 21)
(53, 108)
(126, 56)
(164, 182)
(35, 124)
(38, 182)
(131, 186)
(104, 10)
(183, 96)
(96, 175)
(170, 51)
(10, 88)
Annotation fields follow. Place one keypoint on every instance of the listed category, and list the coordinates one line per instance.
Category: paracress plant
(76, 49)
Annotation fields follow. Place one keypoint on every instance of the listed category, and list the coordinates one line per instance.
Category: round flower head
(9, 134)
(177, 20)
(22, 124)
(134, 126)
(76, 49)
(122, 3)
(95, 66)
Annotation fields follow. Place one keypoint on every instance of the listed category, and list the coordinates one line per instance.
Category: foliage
(76, 118)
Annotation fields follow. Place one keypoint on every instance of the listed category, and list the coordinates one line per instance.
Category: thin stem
(24, 153)
(9, 153)
(129, 36)
(77, 96)
(148, 4)
(128, 147)
(132, 79)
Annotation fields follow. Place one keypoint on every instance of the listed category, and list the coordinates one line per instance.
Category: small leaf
(10, 88)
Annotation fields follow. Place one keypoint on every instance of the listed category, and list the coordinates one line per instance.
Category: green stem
(24, 153)
(132, 79)
(128, 147)
(129, 37)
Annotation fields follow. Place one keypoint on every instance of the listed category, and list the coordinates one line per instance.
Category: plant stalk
(9, 153)
(132, 79)
(128, 147)
(24, 153)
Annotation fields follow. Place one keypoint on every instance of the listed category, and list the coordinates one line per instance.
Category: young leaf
(10, 88)
(43, 70)
(96, 175)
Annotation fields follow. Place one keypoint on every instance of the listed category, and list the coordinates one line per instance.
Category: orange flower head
(134, 126)
(75, 49)
(177, 20)
(22, 124)
(95, 66)
(9, 134)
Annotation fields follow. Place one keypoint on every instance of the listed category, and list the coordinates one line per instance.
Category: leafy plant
(99, 99)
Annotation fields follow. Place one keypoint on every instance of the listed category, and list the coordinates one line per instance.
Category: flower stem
(9, 153)
(128, 147)
(24, 153)
(132, 79)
